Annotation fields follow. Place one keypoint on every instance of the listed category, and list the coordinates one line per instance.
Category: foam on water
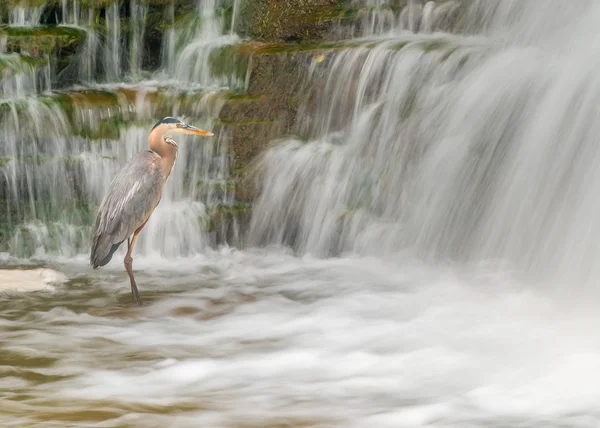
(260, 337)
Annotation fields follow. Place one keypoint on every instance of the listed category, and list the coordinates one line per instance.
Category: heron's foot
(135, 294)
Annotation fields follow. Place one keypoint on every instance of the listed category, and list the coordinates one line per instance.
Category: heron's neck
(167, 153)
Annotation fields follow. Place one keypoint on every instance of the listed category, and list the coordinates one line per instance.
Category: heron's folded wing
(130, 199)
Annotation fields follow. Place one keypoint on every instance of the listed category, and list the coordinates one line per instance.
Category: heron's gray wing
(131, 198)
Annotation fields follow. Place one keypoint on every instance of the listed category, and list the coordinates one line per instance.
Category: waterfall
(409, 147)
(458, 147)
(168, 46)
(139, 13)
(82, 19)
(25, 16)
(379, 17)
(65, 129)
(234, 15)
(202, 36)
(112, 47)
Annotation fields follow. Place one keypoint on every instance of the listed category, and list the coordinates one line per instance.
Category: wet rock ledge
(284, 38)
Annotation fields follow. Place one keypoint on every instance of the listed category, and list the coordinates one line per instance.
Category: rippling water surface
(260, 338)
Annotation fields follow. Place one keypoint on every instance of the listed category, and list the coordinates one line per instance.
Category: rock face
(287, 37)
(289, 20)
(267, 110)
(290, 39)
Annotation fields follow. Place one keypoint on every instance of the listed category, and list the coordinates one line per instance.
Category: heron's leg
(129, 266)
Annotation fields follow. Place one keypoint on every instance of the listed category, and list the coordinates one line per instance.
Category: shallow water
(260, 338)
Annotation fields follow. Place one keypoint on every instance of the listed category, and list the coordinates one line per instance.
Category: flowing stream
(422, 253)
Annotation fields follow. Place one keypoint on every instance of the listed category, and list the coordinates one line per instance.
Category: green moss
(231, 210)
(224, 122)
(109, 129)
(291, 48)
(42, 30)
(242, 97)
(223, 218)
(226, 61)
(50, 40)
(16, 63)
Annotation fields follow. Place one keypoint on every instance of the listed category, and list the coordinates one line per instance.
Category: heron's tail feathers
(102, 250)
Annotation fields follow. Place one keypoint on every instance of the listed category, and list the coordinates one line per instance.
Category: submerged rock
(30, 280)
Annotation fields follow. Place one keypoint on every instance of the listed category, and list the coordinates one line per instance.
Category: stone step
(102, 114)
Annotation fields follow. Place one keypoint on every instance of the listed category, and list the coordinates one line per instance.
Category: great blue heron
(134, 194)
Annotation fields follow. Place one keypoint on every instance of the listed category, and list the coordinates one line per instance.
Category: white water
(379, 17)
(112, 47)
(139, 13)
(263, 338)
(196, 42)
(22, 16)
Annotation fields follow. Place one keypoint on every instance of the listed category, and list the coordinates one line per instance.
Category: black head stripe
(166, 120)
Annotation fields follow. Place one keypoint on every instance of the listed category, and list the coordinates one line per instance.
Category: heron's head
(172, 126)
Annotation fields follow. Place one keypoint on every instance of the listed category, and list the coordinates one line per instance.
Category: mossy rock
(16, 63)
(227, 61)
(267, 110)
(226, 222)
(42, 30)
(289, 20)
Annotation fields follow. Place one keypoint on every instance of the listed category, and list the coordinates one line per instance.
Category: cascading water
(139, 12)
(57, 151)
(112, 47)
(380, 17)
(459, 147)
(445, 157)
(25, 16)
(196, 41)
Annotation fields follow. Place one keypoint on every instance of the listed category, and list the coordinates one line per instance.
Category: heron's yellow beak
(191, 130)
